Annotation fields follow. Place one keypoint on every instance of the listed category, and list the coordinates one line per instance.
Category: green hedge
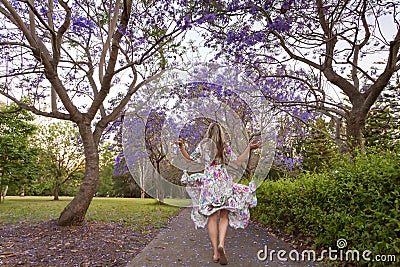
(357, 200)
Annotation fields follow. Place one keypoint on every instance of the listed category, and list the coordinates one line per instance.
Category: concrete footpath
(181, 245)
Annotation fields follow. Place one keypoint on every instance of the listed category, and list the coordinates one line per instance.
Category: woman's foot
(215, 256)
(222, 257)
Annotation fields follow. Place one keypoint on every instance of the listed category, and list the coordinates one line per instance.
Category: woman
(215, 191)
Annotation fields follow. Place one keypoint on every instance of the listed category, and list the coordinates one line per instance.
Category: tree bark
(159, 186)
(5, 193)
(355, 125)
(1, 185)
(338, 136)
(142, 194)
(56, 191)
(22, 191)
(74, 212)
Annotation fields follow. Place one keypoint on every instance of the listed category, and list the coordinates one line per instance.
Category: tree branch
(117, 110)
(33, 12)
(111, 28)
(292, 55)
(57, 115)
(57, 41)
(375, 90)
(106, 82)
(21, 73)
(92, 82)
(42, 54)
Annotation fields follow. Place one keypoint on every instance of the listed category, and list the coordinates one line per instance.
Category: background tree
(61, 153)
(18, 160)
(107, 160)
(317, 149)
(383, 123)
(88, 58)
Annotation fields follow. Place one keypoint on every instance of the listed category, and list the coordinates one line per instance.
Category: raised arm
(252, 145)
(181, 145)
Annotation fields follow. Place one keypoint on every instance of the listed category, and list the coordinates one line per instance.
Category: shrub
(357, 200)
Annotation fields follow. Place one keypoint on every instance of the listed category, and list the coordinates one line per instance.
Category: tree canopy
(321, 46)
(17, 157)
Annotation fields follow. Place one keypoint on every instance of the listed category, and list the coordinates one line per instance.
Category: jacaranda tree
(351, 47)
(88, 57)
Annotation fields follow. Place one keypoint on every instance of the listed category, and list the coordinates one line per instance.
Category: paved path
(182, 245)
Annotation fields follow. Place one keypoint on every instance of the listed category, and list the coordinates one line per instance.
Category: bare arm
(183, 150)
(244, 155)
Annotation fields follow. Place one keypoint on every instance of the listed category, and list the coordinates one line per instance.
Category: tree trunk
(159, 186)
(22, 191)
(56, 191)
(142, 194)
(74, 213)
(355, 124)
(1, 186)
(343, 149)
(5, 193)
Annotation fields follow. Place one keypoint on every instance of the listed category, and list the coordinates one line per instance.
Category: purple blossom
(82, 24)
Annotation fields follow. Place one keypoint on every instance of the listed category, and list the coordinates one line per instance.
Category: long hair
(216, 134)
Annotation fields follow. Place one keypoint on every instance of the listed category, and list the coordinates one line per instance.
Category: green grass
(129, 211)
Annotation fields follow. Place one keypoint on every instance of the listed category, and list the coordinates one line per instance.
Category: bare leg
(212, 226)
(223, 226)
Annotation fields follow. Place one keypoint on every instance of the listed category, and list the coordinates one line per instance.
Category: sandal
(222, 257)
(215, 260)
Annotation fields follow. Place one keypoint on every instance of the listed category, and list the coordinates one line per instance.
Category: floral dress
(214, 189)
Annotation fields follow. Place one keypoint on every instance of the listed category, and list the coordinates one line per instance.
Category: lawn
(129, 211)
(116, 229)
